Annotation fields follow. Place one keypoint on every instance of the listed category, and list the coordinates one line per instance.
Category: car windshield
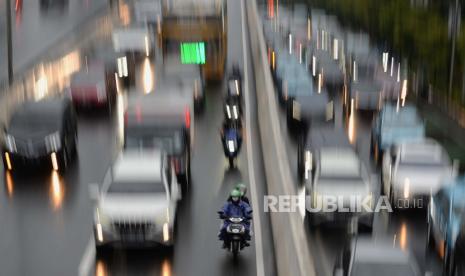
(32, 123)
(170, 141)
(137, 186)
(382, 269)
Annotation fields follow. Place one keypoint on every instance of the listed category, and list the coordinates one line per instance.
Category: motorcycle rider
(242, 188)
(235, 208)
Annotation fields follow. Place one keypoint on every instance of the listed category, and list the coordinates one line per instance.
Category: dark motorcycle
(235, 84)
(236, 235)
(232, 140)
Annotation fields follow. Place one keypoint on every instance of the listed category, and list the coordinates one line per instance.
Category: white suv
(137, 202)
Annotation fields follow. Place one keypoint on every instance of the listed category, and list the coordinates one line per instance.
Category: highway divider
(290, 241)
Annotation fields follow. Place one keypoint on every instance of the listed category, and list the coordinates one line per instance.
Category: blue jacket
(241, 209)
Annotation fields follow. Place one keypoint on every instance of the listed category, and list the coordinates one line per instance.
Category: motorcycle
(232, 142)
(235, 84)
(235, 234)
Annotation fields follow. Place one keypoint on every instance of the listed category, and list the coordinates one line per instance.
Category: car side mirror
(94, 192)
(338, 272)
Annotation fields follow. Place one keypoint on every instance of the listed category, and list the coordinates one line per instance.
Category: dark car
(157, 121)
(365, 257)
(43, 132)
(94, 86)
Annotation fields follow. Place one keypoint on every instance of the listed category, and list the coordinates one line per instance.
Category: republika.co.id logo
(330, 203)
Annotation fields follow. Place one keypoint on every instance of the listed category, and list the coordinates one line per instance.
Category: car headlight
(406, 187)
(10, 143)
(53, 142)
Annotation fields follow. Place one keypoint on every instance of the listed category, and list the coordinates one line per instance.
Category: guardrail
(290, 242)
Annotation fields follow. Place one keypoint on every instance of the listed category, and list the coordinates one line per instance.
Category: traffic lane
(197, 250)
(266, 255)
(35, 29)
(46, 217)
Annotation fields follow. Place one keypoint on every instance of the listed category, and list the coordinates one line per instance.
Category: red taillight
(176, 164)
(187, 117)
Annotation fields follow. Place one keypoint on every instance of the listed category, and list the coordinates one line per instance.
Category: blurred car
(331, 169)
(137, 204)
(94, 86)
(161, 121)
(187, 78)
(446, 225)
(43, 132)
(130, 44)
(331, 74)
(395, 125)
(413, 171)
(365, 257)
(294, 82)
(365, 92)
(305, 110)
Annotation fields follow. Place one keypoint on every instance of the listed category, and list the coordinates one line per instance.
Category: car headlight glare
(10, 143)
(53, 142)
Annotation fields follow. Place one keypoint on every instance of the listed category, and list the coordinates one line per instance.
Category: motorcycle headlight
(10, 143)
(53, 142)
(231, 145)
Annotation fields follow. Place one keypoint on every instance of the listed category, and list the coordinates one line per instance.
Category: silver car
(338, 175)
(137, 204)
(413, 171)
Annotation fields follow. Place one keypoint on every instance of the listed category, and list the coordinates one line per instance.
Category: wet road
(47, 219)
(36, 27)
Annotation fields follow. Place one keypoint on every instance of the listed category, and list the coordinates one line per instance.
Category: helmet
(241, 187)
(235, 195)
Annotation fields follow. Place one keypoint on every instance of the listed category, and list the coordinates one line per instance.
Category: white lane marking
(253, 189)
(87, 259)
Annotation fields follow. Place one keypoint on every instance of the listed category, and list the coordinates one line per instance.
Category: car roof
(340, 161)
(158, 106)
(426, 149)
(48, 109)
(404, 116)
(92, 75)
(137, 164)
(382, 251)
(328, 136)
